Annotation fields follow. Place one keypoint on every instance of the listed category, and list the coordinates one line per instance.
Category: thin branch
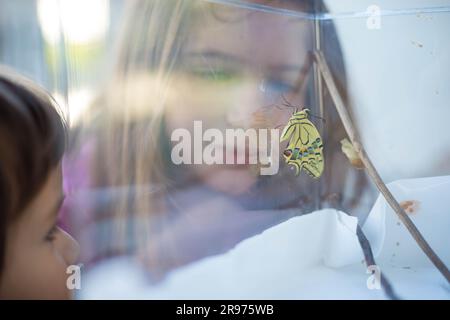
(355, 140)
(370, 261)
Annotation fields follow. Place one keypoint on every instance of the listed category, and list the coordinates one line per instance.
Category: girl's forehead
(258, 38)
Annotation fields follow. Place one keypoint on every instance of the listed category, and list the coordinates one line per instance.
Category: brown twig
(370, 261)
(373, 173)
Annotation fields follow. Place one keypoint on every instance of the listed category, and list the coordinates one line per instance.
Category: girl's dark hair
(32, 143)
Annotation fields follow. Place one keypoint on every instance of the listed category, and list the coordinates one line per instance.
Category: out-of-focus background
(66, 46)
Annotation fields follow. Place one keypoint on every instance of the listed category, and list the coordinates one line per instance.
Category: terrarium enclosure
(130, 74)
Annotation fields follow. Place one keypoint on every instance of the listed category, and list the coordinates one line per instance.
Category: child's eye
(274, 85)
(50, 236)
(218, 75)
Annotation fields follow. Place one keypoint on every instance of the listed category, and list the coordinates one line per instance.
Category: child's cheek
(35, 272)
(48, 274)
(56, 272)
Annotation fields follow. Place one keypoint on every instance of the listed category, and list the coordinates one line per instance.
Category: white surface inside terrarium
(398, 82)
(315, 256)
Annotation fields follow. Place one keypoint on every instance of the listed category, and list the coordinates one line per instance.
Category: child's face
(255, 58)
(37, 252)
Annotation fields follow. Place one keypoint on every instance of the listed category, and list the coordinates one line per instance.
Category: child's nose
(241, 109)
(69, 248)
